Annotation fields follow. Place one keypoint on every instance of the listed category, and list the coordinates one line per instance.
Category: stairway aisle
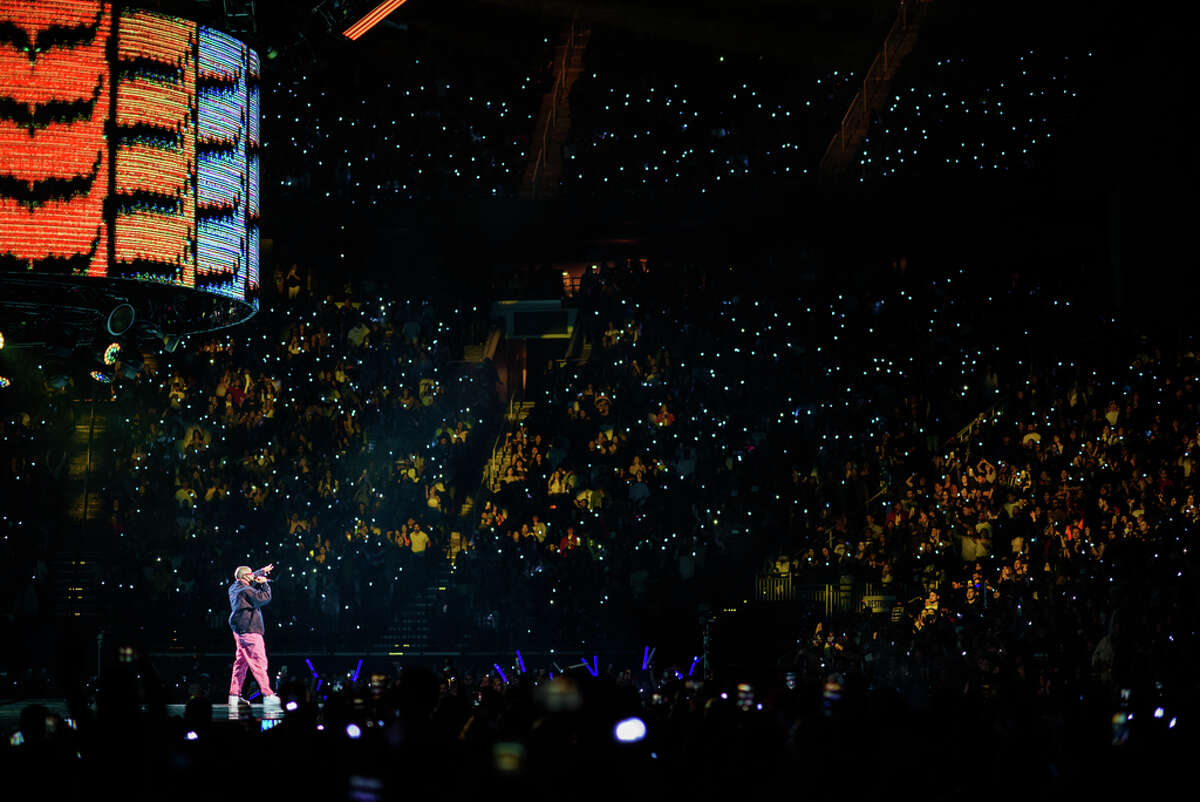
(553, 126)
(414, 628)
(846, 141)
(91, 425)
(76, 583)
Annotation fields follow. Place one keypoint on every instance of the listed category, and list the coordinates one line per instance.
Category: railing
(491, 471)
(830, 598)
(965, 432)
(857, 116)
(560, 78)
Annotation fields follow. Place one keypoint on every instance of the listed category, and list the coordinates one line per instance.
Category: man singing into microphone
(248, 593)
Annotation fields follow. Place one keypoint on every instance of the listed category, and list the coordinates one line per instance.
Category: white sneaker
(234, 701)
(272, 701)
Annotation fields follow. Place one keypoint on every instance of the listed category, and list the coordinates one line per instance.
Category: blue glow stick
(500, 671)
(357, 670)
(520, 662)
(310, 667)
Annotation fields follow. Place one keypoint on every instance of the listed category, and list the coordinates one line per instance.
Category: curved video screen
(129, 147)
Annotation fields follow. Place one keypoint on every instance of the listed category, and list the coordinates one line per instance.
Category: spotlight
(1, 341)
(104, 377)
(119, 320)
(111, 353)
(5, 382)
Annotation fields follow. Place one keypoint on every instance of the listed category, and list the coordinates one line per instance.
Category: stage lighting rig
(120, 319)
(131, 365)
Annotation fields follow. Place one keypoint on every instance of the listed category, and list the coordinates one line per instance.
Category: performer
(248, 593)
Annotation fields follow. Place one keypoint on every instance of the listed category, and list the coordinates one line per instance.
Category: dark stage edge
(10, 712)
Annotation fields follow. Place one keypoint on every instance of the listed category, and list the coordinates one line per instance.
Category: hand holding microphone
(259, 574)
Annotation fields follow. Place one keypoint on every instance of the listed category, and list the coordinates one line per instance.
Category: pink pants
(252, 655)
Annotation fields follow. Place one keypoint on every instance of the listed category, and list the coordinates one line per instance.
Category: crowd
(635, 732)
(669, 120)
(708, 437)
(450, 124)
(435, 121)
(328, 436)
(1012, 470)
(1009, 468)
(985, 106)
(1045, 541)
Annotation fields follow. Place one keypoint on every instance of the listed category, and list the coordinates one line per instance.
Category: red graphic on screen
(53, 155)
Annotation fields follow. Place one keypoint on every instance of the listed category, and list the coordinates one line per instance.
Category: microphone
(261, 574)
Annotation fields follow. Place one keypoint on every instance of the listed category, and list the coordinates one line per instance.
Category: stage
(10, 712)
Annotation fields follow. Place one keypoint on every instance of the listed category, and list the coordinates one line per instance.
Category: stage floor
(10, 712)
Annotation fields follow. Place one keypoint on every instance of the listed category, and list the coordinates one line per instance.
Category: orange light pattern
(36, 17)
(154, 237)
(52, 151)
(61, 73)
(61, 167)
(372, 18)
(146, 166)
(167, 40)
(162, 100)
(152, 101)
(56, 230)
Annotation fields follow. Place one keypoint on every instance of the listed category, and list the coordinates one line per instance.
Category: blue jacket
(244, 602)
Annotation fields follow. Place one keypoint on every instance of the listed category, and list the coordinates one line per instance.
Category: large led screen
(128, 147)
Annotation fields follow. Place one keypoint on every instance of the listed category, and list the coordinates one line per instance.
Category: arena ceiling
(817, 32)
